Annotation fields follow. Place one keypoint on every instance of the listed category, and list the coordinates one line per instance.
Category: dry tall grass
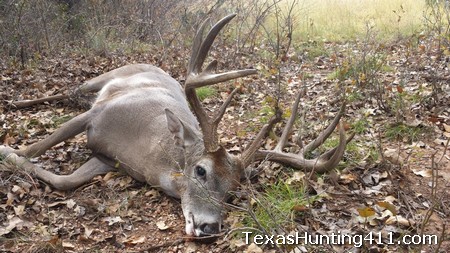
(348, 19)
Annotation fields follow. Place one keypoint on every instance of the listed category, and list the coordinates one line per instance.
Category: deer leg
(66, 131)
(85, 173)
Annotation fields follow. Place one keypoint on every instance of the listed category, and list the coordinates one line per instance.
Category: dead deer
(141, 123)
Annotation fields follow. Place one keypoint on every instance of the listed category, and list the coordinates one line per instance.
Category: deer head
(210, 177)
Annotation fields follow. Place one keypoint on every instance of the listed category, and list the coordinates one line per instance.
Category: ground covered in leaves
(394, 178)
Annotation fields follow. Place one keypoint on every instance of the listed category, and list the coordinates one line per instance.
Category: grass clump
(401, 131)
(206, 92)
(59, 120)
(276, 207)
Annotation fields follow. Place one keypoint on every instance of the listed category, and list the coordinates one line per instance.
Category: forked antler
(197, 78)
(321, 164)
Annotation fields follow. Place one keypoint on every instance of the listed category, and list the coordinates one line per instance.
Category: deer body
(141, 123)
(128, 127)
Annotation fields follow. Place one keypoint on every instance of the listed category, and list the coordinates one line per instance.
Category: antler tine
(224, 106)
(324, 162)
(250, 151)
(327, 155)
(337, 155)
(325, 133)
(197, 78)
(207, 42)
(196, 46)
(205, 78)
(287, 129)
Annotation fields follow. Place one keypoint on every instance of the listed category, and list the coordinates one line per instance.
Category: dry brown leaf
(446, 127)
(14, 222)
(388, 206)
(9, 199)
(113, 220)
(399, 220)
(161, 225)
(19, 210)
(423, 173)
(87, 230)
(393, 156)
(253, 248)
(297, 176)
(366, 212)
(133, 240)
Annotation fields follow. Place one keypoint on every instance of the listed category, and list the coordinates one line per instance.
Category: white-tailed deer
(141, 123)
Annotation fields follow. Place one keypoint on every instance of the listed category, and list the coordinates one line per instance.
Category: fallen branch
(27, 103)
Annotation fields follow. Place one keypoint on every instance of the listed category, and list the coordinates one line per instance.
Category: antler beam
(325, 162)
(197, 78)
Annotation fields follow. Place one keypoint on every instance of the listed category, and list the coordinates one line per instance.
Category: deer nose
(209, 228)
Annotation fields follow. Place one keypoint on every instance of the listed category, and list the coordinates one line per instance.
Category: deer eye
(200, 171)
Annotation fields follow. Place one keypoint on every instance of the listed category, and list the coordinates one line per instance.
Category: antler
(197, 78)
(323, 163)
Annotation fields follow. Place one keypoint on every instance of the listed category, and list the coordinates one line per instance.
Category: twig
(445, 150)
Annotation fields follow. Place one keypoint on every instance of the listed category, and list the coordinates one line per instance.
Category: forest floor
(398, 165)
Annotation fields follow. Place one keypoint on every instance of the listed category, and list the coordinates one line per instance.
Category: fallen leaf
(68, 245)
(10, 199)
(366, 212)
(393, 156)
(57, 203)
(135, 240)
(113, 220)
(253, 248)
(87, 231)
(423, 173)
(11, 225)
(446, 127)
(19, 210)
(299, 208)
(399, 220)
(388, 206)
(161, 225)
(70, 203)
(14, 222)
(152, 194)
(347, 178)
(297, 176)
(80, 211)
(440, 141)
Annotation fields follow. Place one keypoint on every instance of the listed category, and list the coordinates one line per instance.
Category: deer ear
(182, 134)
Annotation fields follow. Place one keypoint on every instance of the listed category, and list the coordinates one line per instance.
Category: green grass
(341, 20)
(360, 126)
(59, 120)
(313, 48)
(276, 206)
(351, 150)
(206, 92)
(404, 132)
